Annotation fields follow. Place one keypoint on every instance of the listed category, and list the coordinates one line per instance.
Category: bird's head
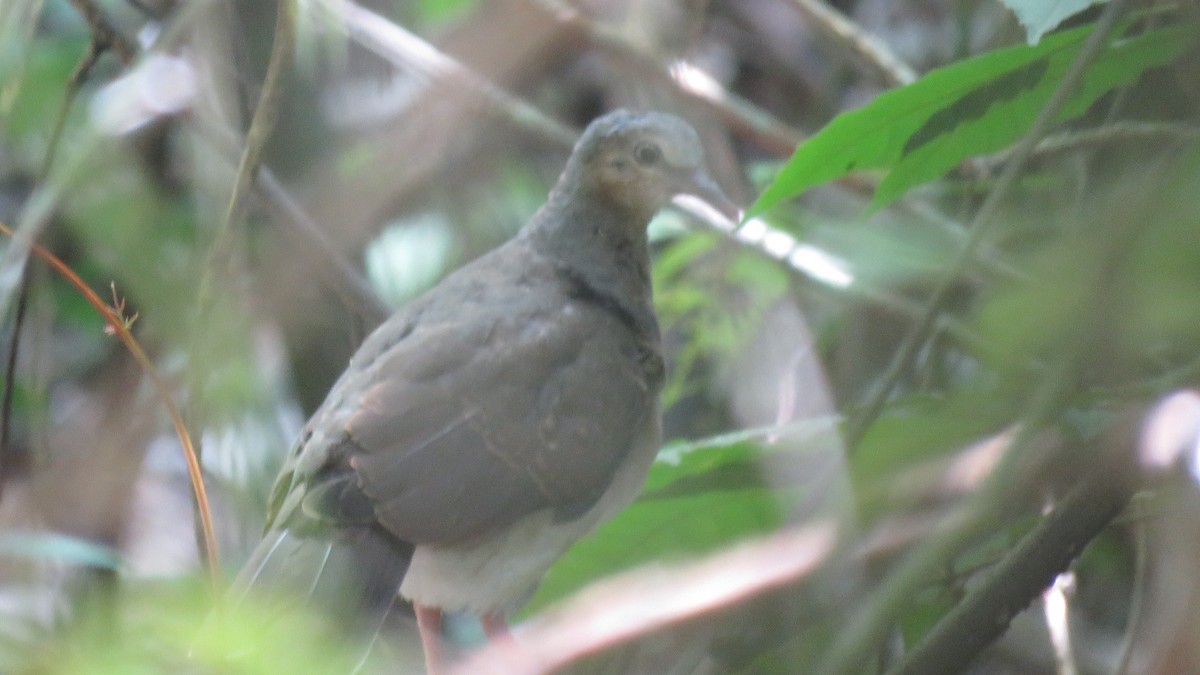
(637, 162)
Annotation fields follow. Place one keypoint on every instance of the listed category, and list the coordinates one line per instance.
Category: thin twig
(1137, 601)
(34, 217)
(870, 49)
(1109, 134)
(980, 225)
(13, 464)
(120, 327)
(78, 76)
(404, 49)
(265, 114)
(261, 125)
(350, 286)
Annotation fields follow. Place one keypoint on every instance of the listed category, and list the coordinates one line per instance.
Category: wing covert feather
(472, 429)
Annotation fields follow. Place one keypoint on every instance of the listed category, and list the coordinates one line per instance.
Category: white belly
(499, 571)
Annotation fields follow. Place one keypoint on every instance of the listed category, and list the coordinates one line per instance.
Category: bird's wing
(462, 426)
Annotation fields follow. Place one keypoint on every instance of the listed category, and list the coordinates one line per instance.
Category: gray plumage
(500, 416)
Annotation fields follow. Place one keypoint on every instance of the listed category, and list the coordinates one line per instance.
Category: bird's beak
(700, 185)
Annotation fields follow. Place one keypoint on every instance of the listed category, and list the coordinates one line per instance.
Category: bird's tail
(352, 576)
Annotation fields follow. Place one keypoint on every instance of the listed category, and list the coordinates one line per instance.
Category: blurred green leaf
(1163, 320)
(175, 628)
(766, 277)
(681, 252)
(31, 94)
(699, 496)
(979, 105)
(926, 609)
(887, 253)
(438, 12)
(714, 296)
(1120, 285)
(917, 428)
(660, 529)
(668, 527)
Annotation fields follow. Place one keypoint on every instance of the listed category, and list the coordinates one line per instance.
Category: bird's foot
(495, 626)
(429, 624)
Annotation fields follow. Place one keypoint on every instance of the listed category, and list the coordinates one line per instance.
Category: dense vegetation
(932, 406)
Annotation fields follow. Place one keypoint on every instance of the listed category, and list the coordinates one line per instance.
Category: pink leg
(495, 626)
(429, 624)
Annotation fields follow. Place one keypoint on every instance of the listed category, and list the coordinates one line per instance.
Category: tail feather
(252, 571)
(352, 575)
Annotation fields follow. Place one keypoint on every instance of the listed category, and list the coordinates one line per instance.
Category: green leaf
(699, 496)
(658, 529)
(1042, 16)
(918, 428)
(977, 106)
(681, 252)
(172, 626)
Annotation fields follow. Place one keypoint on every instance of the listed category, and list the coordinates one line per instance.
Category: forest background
(932, 405)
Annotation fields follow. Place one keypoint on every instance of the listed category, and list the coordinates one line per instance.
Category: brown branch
(985, 612)
(1158, 440)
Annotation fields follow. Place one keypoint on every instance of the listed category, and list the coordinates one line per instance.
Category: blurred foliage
(690, 272)
(441, 12)
(1083, 299)
(160, 628)
(34, 96)
(698, 497)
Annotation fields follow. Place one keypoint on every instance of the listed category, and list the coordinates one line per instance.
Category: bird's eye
(647, 153)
